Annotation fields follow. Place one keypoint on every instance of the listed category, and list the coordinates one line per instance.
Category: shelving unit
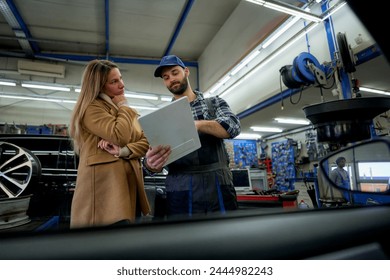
(45, 129)
(283, 164)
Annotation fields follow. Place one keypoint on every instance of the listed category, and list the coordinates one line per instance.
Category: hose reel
(305, 71)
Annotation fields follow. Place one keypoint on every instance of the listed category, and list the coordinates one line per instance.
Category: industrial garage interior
(307, 79)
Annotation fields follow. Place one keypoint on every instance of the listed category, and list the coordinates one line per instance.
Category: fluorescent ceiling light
(168, 99)
(245, 62)
(143, 107)
(224, 80)
(5, 83)
(292, 121)
(63, 101)
(68, 101)
(266, 129)
(334, 9)
(282, 30)
(248, 136)
(288, 9)
(268, 42)
(276, 53)
(135, 95)
(255, 53)
(373, 90)
(141, 96)
(45, 87)
(38, 98)
(215, 87)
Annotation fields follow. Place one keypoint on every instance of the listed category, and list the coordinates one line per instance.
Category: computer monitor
(242, 180)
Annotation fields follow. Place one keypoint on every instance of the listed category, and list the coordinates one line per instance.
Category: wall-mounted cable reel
(290, 77)
(305, 71)
(309, 69)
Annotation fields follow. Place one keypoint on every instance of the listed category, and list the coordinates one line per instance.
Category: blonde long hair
(93, 80)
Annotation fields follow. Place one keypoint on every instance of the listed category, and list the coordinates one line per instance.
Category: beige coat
(108, 187)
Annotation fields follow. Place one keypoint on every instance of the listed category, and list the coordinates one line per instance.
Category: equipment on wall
(27, 67)
(346, 55)
(305, 71)
(340, 121)
(345, 121)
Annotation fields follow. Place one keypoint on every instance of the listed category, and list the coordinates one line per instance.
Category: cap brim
(157, 72)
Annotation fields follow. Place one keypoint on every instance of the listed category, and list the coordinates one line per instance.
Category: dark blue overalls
(201, 182)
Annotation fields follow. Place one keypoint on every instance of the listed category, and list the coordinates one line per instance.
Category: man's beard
(181, 89)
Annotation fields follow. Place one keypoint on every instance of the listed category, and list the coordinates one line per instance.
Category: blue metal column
(333, 48)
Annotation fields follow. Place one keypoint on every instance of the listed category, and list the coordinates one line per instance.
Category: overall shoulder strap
(210, 105)
(224, 153)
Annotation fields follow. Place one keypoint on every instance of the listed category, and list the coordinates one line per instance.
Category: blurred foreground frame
(368, 165)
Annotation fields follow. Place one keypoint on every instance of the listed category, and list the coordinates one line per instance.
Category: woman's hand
(109, 147)
(120, 100)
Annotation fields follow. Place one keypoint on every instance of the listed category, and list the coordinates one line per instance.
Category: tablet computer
(173, 125)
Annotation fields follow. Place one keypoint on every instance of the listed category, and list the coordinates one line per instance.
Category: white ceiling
(140, 32)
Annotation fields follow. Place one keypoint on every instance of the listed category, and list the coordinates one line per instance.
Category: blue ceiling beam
(179, 26)
(86, 58)
(22, 26)
(270, 101)
(107, 22)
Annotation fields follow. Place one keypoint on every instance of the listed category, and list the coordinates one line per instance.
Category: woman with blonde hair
(110, 144)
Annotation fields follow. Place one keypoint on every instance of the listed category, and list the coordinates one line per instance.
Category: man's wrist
(146, 167)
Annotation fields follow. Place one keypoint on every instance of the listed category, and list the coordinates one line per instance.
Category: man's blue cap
(169, 60)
